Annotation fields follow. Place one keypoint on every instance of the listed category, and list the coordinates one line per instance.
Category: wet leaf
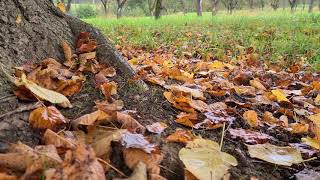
(46, 118)
(204, 159)
(285, 156)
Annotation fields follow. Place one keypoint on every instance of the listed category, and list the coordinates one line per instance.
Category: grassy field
(275, 36)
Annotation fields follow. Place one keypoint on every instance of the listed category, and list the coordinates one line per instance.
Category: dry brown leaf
(87, 47)
(157, 127)
(257, 84)
(92, 118)
(67, 54)
(105, 106)
(139, 173)
(245, 90)
(198, 105)
(196, 93)
(187, 119)
(251, 118)
(298, 128)
(43, 93)
(130, 123)
(156, 80)
(108, 89)
(269, 118)
(46, 118)
(132, 157)
(80, 163)
(138, 141)
(59, 142)
(181, 136)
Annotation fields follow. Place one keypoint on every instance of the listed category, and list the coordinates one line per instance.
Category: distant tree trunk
(262, 4)
(311, 6)
(303, 4)
(250, 2)
(120, 4)
(199, 7)
(215, 7)
(293, 5)
(274, 4)
(158, 8)
(183, 4)
(151, 6)
(105, 7)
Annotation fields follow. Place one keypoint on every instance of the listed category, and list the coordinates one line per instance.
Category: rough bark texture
(199, 7)
(30, 31)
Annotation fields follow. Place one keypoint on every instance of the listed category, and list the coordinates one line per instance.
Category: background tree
(215, 7)
(262, 3)
(105, 7)
(293, 4)
(120, 5)
(230, 5)
(199, 7)
(274, 4)
(158, 8)
(311, 6)
(250, 3)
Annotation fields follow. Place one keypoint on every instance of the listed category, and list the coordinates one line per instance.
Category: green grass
(278, 35)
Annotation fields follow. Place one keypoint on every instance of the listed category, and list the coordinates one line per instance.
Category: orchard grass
(275, 35)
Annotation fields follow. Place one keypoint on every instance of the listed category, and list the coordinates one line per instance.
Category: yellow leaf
(280, 95)
(168, 64)
(204, 159)
(61, 6)
(315, 118)
(285, 156)
(317, 100)
(251, 117)
(216, 65)
(43, 93)
(311, 142)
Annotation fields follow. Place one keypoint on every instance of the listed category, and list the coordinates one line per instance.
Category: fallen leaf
(196, 93)
(130, 123)
(138, 141)
(181, 136)
(257, 84)
(80, 162)
(315, 118)
(198, 105)
(311, 142)
(43, 93)
(61, 7)
(249, 136)
(157, 127)
(108, 89)
(5, 176)
(285, 156)
(306, 150)
(280, 95)
(87, 48)
(59, 142)
(204, 159)
(67, 54)
(298, 128)
(187, 119)
(251, 118)
(46, 118)
(105, 106)
(245, 90)
(92, 118)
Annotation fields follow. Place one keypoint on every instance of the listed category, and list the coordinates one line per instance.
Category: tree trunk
(35, 36)
(120, 7)
(311, 6)
(158, 8)
(215, 7)
(199, 7)
(105, 7)
(68, 7)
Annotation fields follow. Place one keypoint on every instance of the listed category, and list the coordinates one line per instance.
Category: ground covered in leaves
(203, 117)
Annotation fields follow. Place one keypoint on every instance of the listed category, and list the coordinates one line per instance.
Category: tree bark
(199, 7)
(215, 7)
(158, 8)
(311, 6)
(105, 7)
(35, 36)
(120, 3)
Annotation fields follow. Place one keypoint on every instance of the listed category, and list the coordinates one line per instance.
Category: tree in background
(120, 4)
(262, 3)
(199, 7)
(293, 4)
(275, 4)
(158, 8)
(250, 3)
(311, 6)
(68, 6)
(215, 7)
(230, 5)
(105, 7)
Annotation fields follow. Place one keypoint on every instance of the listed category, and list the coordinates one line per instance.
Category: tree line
(158, 7)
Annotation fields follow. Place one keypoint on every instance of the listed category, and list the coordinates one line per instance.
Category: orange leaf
(130, 123)
(251, 117)
(181, 136)
(46, 118)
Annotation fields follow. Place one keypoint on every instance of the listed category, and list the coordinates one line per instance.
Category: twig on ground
(21, 109)
(114, 168)
(168, 169)
(222, 136)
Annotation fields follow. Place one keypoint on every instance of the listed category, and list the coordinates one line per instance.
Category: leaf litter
(252, 98)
